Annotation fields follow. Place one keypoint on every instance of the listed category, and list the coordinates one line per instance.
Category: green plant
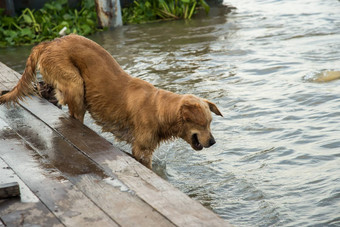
(34, 26)
(140, 11)
(150, 10)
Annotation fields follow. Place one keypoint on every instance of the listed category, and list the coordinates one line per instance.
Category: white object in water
(62, 31)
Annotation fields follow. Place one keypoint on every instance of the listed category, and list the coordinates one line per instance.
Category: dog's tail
(25, 85)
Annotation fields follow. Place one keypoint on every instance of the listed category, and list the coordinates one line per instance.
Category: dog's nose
(211, 141)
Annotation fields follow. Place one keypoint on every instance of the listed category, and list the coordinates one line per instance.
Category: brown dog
(86, 77)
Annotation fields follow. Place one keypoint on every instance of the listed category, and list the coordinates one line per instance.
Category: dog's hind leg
(70, 92)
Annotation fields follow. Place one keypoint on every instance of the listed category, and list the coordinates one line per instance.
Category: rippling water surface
(277, 157)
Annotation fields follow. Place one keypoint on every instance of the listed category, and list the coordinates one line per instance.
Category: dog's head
(196, 117)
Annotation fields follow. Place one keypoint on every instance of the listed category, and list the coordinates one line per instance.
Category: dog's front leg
(144, 156)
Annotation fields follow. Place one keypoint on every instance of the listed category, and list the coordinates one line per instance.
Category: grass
(150, 10)
(33, 26)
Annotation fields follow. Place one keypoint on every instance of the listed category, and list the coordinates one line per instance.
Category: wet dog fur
(87, 77)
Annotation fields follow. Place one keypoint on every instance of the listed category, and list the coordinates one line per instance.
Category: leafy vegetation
(34, 26)
(150, 10)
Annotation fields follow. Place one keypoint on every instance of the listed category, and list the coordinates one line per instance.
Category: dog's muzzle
(197, 145)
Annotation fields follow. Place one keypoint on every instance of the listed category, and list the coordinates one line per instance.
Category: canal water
(277, 157)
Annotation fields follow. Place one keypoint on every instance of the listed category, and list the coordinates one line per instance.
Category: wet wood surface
(76, 177)
(8, 78)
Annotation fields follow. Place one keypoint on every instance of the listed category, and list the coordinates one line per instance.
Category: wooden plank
(8, 175)
(162, 196)
(13, 212)
(25, 210)
(8, 78)
(65, 201)
(106, 192)
(9, 190)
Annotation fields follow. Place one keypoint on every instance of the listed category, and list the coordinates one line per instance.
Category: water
(277, 157)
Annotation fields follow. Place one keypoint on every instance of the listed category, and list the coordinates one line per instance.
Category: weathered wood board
(9, 190)
(81, 171)
(57, 193)
(25, 210)
(8, 78)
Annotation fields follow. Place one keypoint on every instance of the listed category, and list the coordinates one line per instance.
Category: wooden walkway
(70, 176)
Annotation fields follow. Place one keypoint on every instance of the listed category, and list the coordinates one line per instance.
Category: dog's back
(84, 75)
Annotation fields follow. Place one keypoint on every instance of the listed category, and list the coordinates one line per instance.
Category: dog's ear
(213, 108)
(193, 113)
